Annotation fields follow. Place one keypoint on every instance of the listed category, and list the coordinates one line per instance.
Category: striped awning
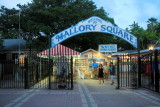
(59, 50)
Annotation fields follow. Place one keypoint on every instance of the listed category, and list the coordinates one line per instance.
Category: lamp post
(139, 63)
(151, 48)
(156, 71)
(154, 79)
(49, 56)
(19, 29)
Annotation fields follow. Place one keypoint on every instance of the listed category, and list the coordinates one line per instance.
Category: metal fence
(150, 70)
(22, 73)
(127, 71)
(35, 72)
(62, 73)
(11, 74)
(59, 75)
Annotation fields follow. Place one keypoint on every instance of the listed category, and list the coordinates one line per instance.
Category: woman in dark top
(100, 73)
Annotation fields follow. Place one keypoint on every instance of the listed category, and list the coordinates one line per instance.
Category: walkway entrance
(96, 24)
(57, 72)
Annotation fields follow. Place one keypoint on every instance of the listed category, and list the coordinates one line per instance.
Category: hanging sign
(94, 24)
(108, 48)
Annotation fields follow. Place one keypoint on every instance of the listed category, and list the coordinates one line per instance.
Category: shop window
(81, 62)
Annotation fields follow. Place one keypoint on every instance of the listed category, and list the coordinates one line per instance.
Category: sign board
(108, 48)
(96, 59)
(95, 65)
(93, 24)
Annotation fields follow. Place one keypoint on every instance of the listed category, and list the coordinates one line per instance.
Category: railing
(150, 71)
(11, 74)
(32, 72)
(127, 71)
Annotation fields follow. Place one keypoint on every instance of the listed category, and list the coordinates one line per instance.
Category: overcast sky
(124, 12)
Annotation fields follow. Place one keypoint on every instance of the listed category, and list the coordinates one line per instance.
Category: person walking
(106, 70)
(112, 72)
(95, 69)
(100, 73)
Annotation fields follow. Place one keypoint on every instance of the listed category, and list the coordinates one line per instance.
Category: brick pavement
(86, 93)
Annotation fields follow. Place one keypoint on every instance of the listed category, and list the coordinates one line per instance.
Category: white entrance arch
(93, 24)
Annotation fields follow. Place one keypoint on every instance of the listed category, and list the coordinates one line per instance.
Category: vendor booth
(84, 64)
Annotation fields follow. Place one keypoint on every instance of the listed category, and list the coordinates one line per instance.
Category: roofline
(91, 50)
(88, 50)
(136, 52)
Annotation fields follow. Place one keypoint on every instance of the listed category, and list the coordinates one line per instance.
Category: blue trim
(93, 24)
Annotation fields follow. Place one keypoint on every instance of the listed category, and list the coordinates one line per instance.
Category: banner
(94, 24)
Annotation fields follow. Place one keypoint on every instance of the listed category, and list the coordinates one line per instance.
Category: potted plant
(62, 79)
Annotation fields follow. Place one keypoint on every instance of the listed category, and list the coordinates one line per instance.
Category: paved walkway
(86, 93)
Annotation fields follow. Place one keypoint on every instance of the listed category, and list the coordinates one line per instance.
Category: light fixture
(98, 54)
(21, 60)
(109, 55)
(151, 47)
(42, 34)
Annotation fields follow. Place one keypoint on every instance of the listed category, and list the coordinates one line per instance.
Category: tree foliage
(53, 16)
(150, 35)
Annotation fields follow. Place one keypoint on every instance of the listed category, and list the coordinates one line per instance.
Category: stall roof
(123, 52)
(147, 50)
(59, 50)
(133, 51)
(91, 50)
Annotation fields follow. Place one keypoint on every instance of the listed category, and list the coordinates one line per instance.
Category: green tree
(53, 16)
(150, 35)
(158, 34)
(153, 29)
(139, 32)
(152, 24)
(9, 22)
